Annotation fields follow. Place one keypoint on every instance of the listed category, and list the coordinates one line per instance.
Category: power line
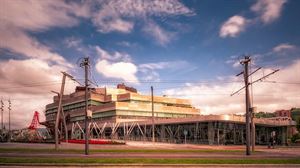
(278, 82)
(258, 80)
(33, 85)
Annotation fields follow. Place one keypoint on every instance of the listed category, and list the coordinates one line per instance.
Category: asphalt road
(216, 155)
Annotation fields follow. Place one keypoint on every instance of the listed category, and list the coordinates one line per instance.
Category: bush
(295, 138)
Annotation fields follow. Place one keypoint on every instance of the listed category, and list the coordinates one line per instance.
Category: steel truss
(212, 132)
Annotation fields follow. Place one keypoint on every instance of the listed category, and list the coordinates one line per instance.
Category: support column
(163, 133)
(218, 136)
(234, 134)
(196, 132)
(210, 133)
(284, 135)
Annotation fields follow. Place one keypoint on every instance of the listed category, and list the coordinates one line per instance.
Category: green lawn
(28, 150)
(144, 161)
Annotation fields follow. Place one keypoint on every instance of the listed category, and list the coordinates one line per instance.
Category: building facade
(283, 113)
(124, 114)
(122, 104)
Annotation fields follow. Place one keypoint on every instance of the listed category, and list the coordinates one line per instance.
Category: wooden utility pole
(245, 62)
(152, 109)
(86, 64)
(9, 109)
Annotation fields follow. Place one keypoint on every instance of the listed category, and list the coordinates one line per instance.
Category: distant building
(282, 113)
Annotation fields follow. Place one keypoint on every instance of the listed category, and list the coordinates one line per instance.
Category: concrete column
(242, 135)
(211, 133)
(163, 133)
(196, 132)
(234, 135)
(218, 136)
(283, 135)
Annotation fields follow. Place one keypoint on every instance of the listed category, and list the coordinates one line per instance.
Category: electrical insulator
(9, 105)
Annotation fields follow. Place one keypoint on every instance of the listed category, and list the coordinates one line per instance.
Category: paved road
(219, 155)
(264, 152)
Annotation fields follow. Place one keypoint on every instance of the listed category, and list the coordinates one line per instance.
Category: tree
(298, 124)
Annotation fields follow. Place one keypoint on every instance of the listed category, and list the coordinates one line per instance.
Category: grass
(44, 150)
(142, 161)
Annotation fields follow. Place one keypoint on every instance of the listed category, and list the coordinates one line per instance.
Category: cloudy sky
(188, 49)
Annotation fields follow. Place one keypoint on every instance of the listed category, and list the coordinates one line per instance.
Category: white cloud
(20, 72)
(107, 21)
(164, 65)
(162, 36)
(128, 44)
(149, 70)
(40, 16)
(214, 98)
(28, 46)
(142, 8)
(268, 10)
(283, 47)
(119, 15)
(28, 83)
(121, 70)
(72, 42)
(233, 26)
(116, 56)
(116, 65)
(119, 65)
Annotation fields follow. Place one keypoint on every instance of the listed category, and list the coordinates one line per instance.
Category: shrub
(295, 138)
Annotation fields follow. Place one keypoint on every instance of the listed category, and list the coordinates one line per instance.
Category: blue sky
(180, 47)
(193, 38)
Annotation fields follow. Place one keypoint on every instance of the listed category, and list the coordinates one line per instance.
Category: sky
(186, 49)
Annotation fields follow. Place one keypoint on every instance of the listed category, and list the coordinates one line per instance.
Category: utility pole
(9, 109)
(245, 62)
(2, 108)
(249, 110)
(86, 64)
(152, 109)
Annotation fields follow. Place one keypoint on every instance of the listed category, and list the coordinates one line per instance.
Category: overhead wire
(149, 82)
(94, 81)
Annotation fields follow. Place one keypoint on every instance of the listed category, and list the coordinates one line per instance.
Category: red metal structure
(35, 121)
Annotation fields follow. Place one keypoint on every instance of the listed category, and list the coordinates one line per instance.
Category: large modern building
(123, 113)
(122, 104)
